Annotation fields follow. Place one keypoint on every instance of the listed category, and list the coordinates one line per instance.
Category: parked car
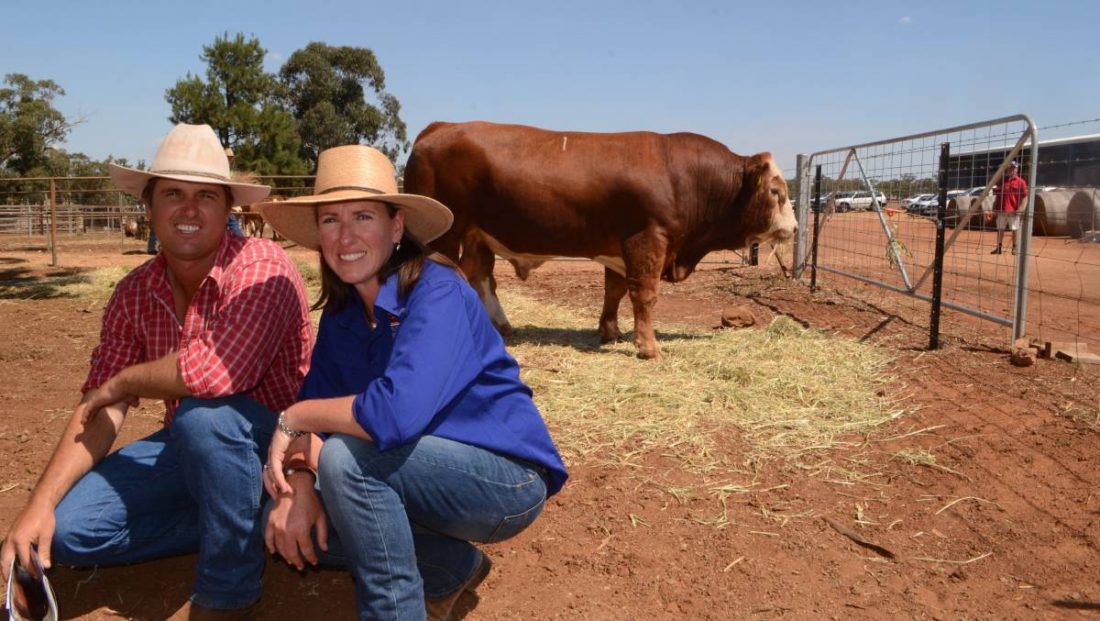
(911, 202)
(859, 200)
(833, 200)
(925, 206)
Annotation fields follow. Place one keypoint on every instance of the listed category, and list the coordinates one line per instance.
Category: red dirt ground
(1004, 525)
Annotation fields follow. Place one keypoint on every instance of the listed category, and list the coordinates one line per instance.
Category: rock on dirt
(737, 317)
(1023, 354)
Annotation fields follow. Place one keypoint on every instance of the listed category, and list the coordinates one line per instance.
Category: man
(218, 327)
(234, 225)
(1008, 202)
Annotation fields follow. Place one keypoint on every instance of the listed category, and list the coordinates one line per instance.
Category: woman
(435, 441)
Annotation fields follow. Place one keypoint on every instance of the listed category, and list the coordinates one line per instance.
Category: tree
(328, 89)
(244, 105)
(29, 124)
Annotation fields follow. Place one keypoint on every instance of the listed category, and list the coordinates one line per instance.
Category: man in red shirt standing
(1008, 203)
(218, 327)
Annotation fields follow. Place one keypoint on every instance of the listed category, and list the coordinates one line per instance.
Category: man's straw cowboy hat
(353, 173)
(189, 153)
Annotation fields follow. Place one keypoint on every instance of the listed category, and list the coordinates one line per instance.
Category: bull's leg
(644, 255)
(614, 288)
(477, 263)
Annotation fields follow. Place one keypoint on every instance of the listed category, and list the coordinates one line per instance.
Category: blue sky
(786, 77)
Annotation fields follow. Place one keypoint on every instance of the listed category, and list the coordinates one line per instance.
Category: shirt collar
(230, 246)
(387, 300)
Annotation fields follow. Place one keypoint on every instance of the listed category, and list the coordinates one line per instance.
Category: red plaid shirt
(247, 330)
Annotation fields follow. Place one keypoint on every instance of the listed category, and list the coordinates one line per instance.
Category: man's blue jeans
(194, 487)
(402, 520)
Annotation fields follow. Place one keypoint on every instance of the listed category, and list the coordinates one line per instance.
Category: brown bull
(646, 206)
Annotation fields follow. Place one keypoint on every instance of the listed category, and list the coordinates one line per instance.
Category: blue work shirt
(433, 365)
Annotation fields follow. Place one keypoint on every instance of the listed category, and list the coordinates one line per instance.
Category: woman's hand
(281, 446)
(292, 518)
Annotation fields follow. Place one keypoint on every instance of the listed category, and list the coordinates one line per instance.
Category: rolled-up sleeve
(230, 352)
(119, 345)
(433, 361)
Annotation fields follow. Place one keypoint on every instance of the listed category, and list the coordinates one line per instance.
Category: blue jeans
(402, 520)
(194, 487)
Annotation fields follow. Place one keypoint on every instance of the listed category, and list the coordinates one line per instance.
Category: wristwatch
(283, 427)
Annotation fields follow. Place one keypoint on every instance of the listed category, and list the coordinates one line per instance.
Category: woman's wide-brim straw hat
(190, 153)
(354, 173)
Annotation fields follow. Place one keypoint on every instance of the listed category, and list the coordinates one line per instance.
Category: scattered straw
(922, 457)
(951, 562)
(785, 391)
(733, 564)
(958, 500)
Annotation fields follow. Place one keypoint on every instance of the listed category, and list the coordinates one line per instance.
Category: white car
(859, 200)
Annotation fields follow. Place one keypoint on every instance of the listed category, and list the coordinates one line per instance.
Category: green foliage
(29, 124)
(328, 89)
(244, 104)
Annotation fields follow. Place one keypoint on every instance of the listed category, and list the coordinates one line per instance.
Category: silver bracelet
(283, 427)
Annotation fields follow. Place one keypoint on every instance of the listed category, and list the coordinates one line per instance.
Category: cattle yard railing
(936, 255)
(45, 208)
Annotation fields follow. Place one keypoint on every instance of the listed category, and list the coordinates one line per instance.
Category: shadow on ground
(21, 283)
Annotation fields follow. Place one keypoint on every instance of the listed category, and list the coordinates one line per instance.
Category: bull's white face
(782, 224)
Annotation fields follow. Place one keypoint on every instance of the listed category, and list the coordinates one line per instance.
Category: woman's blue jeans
(194, 487)
(403, 519)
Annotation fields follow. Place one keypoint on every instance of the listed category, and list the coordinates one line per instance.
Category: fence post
(53, 223)
(817, 228)
(802, 201)
(1023, 247)
(937, 269)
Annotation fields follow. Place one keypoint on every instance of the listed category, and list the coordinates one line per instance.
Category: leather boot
(440, 609)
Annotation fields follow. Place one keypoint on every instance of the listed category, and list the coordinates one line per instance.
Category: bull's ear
(759, 167)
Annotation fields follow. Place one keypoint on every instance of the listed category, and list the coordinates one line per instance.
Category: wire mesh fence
(881, 206)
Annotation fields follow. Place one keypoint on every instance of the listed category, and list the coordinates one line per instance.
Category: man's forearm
(158, 379)
(80, 448)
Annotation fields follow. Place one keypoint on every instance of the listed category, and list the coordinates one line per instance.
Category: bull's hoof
(649, 353)
(610, 337)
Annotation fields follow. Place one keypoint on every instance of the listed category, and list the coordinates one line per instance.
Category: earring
(397, 247)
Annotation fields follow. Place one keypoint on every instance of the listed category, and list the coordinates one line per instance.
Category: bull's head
(769, 204)
(753, 208)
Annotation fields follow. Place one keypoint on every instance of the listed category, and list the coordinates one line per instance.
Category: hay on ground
(783, 390)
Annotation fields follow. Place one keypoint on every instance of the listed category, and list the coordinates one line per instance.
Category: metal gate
(913, 215)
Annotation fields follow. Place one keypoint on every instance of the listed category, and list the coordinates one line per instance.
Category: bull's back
(546, 192)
